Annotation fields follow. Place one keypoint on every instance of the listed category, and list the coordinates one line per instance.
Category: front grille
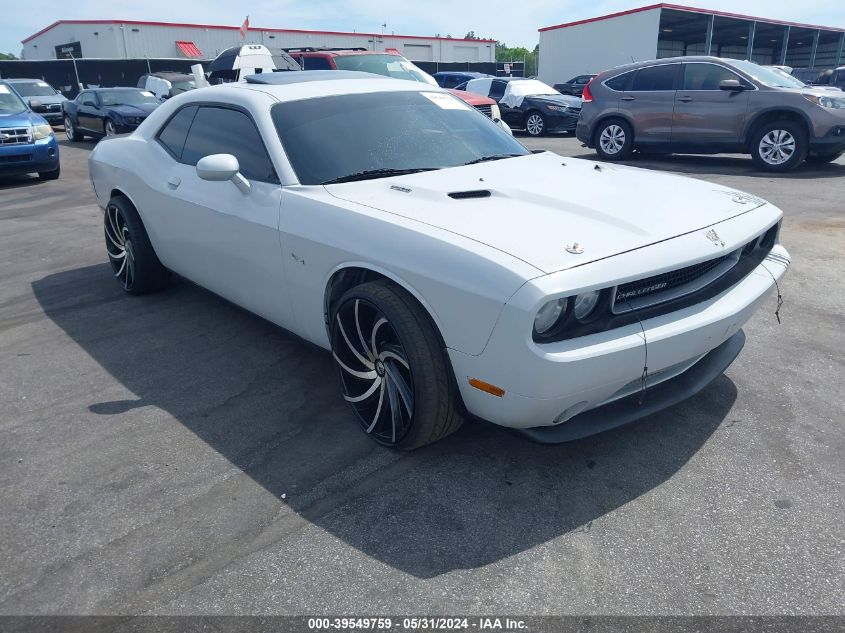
(486, 110)
(667, 281)
(53, 107)
(15, 135)
(16, 158)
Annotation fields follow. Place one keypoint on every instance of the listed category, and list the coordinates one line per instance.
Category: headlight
(557, 108)
(41, 131)
(549, 315)
(834, 103)
(495, 113)
(585, 304)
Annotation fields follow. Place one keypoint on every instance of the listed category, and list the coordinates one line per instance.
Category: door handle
(174, 181)
(685, 99)
(629, 98)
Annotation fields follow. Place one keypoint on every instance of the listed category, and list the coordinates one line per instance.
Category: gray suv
(708, 105)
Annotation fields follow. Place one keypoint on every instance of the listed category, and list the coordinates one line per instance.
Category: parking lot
(173, 454)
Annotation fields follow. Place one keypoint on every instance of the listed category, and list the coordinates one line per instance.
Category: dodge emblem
(714, 237)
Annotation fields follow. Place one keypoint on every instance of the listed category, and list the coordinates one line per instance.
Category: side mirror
(35, 103)
(731, 84)
(503, 125)
(222, 167)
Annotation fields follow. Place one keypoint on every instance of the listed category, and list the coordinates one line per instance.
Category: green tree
(7, 56)
(505, 53)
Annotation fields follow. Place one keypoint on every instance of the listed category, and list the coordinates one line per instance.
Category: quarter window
(622, 82)
(706, 76)
(225, 131)
(175, 131)
(656, 78)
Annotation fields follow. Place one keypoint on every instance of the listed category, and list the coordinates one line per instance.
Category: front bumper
(548, 385)
(40, 156)
(55, 117)
(833, 142)
(565, 122)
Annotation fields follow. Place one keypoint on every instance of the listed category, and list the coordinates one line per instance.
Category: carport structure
(691, 31)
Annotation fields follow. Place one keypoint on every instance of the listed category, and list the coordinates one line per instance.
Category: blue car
(100, 112)
(447, 79)
(27, 142)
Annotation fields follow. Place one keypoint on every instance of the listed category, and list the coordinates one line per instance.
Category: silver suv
(708, 105)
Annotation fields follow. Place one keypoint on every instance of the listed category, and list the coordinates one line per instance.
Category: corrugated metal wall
(142, 40)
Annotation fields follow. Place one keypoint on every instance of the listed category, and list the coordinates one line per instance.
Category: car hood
(21, 119)
(143, 109)
(564, 100)
(46, 100)
(541, 203)
(471, 98)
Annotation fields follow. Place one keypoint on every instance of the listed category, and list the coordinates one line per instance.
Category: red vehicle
(390, 64)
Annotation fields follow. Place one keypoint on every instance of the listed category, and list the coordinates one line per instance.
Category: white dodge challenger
(450, 271)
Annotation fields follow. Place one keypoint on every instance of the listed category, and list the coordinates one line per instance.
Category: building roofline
(252, 28)
(680, 7)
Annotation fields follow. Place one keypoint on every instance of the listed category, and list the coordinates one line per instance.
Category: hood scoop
(465, 195)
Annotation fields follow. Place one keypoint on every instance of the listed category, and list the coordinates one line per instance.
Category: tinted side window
(450, 81)
(224, 131)
(316, 63)
(839, 78)
(582, 80)
(621, 83)
(656, 78)
(706, 76)
(175, 131)
(497, 90)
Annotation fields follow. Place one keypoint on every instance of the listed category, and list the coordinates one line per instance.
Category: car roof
(290, 77)
(21, 80)
(462, 73)
(328, 85)
(341, 53)
(110, 89)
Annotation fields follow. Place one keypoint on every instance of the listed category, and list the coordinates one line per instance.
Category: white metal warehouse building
(668, 30)
(134, 39)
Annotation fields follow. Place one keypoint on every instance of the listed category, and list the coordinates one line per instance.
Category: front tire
(133, 260)
(779, 146)
(614, 140)
(393, 367)
(71, 132)
(535, 124)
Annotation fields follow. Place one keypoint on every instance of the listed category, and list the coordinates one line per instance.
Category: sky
(514, 23)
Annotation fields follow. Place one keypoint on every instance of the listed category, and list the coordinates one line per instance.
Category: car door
(87, 112)
(705, 115)
(211, 232)
(650, 102)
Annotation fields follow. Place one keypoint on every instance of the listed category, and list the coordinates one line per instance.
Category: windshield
(767, 76)
(10, 103)
(388, 65)
(34, 89)
(179, 87)
(335, 137)
(530, 87)
(793, 82)
(126, 97)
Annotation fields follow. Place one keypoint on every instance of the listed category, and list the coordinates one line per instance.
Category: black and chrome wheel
(535, 124)
(132, 258)
(111, 130)
(393, 368)
(779, 146)
(614, 140)
(70, 131)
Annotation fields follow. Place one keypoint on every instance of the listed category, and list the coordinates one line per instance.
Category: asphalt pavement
(173, 454)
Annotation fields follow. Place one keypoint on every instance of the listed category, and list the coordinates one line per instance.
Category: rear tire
(71, 132)
(779, 146)
(614, 139)
(50, 175)
(133, 260)
(393, 367)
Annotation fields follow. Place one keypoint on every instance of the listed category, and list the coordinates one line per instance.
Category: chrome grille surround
(486, 110)
(15, 136)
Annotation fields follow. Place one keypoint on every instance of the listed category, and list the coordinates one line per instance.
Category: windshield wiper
(485, 159)
(371, 174)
